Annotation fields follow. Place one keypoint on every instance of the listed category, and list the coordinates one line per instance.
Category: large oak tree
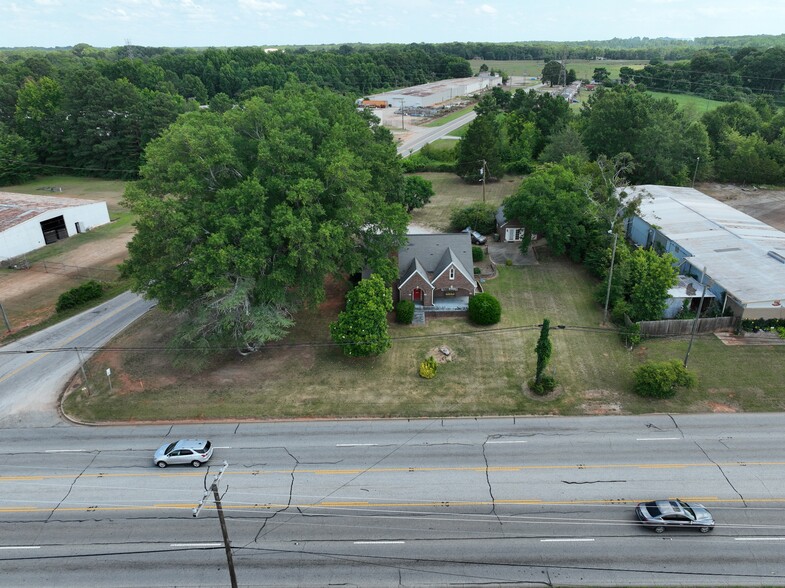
(242, 215)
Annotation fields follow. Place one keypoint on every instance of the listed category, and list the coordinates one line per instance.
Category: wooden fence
(672, 328)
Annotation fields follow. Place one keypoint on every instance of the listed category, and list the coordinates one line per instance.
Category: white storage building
(434, 93)
(29, 222)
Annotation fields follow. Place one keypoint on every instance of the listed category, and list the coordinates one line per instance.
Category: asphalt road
(34, 370)
(364, 503)
(421, 136)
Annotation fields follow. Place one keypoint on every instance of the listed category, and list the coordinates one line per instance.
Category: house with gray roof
(437, 270)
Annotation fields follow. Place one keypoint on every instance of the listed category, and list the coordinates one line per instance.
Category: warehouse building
(743, 258)
(435, 93)
(29, 222)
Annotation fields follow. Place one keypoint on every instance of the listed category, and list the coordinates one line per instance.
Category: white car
(192, 451)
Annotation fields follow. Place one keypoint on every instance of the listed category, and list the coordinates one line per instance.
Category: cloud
(485, 9)
(263, 6)
(298, 13)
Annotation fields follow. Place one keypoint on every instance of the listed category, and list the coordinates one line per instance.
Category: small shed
(509, 231)
(687, 290)
(28, 222)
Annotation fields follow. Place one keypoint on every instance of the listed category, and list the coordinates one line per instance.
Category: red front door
(417, 294)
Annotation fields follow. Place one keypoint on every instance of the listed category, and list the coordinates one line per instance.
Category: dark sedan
(665, 514)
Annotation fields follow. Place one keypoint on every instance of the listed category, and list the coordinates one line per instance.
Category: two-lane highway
(532, 500)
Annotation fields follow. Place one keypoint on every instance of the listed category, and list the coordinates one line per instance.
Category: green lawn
(449, 117)
(453, 193)
(692, 104)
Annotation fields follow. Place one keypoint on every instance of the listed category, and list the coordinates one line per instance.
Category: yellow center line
(350, 505)
(411, 470)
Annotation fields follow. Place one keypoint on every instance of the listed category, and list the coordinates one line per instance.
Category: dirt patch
(765, 204)
(442, 354)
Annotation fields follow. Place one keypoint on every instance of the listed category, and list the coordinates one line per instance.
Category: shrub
(479, 216)
(477, 253)
(484, 309)
(80, 295)
(546, 385)
(508, 262)
(404, 312)
(660, 379)
(428, 368)
(477, 271)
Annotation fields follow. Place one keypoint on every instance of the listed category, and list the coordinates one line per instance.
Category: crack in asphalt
(724, 475)
(490, 487)
(70, 488)
(288, 502)
(675, 424)
(596, 482)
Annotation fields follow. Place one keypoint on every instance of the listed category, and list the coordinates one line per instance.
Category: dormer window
(452, 273)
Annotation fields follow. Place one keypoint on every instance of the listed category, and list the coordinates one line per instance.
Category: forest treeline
(92, 111)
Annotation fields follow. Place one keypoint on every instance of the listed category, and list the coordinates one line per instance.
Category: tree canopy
(242, 215)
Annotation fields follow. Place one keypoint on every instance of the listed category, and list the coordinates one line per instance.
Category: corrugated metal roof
(18, 208)
(731, 245)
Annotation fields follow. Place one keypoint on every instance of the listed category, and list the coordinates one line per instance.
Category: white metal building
(438, 92)
(29, 222)
(744, 258)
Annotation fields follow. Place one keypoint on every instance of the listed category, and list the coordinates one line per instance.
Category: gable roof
(450, 259)
(16, 209)
(429, 250)
(414, 268)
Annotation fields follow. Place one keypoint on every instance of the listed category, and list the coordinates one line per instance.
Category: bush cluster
(404, 312)
(660, 379)
(479, 216)
(428, 368)
(546, 385)
(80, 295)
(762, 324)
(484, 309)
(477, 253)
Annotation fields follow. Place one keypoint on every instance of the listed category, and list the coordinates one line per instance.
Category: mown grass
(452, 193)
(696, 105)
(449, 117)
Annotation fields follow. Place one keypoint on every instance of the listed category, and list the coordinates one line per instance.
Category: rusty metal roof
(18, 208)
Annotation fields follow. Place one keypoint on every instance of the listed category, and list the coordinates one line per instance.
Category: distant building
(437, 92)
(744, 258)
(28, 222)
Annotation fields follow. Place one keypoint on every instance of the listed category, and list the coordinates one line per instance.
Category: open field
(693, 104)
(453, 193)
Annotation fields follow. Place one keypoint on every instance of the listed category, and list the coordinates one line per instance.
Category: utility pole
(403, 126)
(610, 276)
(81, 367)
(695, 173)
(5, 318)
(482, 176)
(697, 316)
(217, 498)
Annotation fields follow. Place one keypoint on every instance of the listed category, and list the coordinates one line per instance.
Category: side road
(35, 369)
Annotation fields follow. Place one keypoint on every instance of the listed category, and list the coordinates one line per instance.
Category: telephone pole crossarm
(209, 489)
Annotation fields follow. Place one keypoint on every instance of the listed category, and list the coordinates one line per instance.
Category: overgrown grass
(453, 193)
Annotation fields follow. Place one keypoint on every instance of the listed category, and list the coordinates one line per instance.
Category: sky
(220, 23)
